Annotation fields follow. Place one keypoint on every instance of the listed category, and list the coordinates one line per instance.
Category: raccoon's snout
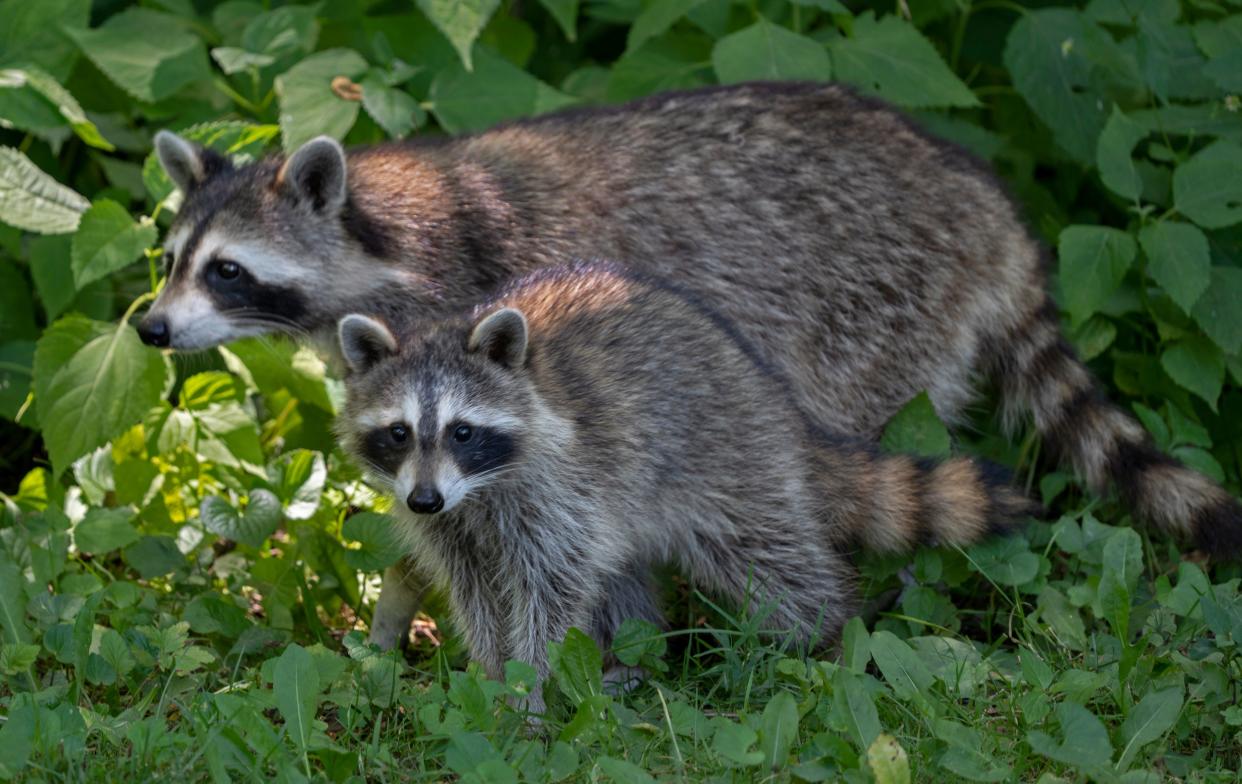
(424, 500)
(154, 331)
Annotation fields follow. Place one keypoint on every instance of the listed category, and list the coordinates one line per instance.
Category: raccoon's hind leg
(401, 594)
(1040, 374)
(624, 596)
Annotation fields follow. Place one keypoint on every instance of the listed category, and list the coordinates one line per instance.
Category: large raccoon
(861, 257)
(551, 445)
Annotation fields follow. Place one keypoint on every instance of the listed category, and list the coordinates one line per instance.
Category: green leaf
(12, 603)
(855, 708)
(211, 613)
(461, 21)
(282, 33)
(655, 20)
(732, 742)
(252, 527)
(1093, 261)
(1085, 743)
(565, 12)
(382, 542)
(105, 389)
(30, 88)
(1148, 721)
(638, 642)
(855, 646)
(105, 530)
(56, 347)
(916, 429)
(298, 479)
(623, 772)
(888, 761)
(108, 240)
(778, 726)
(1123, 560)
(296, 684)
(17, 657)
(148, 54)
(1113, 154)
(669, 63)
(234, 60)
(34, 33)
(892, 59)
(1208, 187)
(1005, 560)
(1178, 259)
(1226, 71)
(578, 666)
(1196, 364)
(31, 200)
(902, 668)
(394, 110)
(496, 90)
(768, 51)
(1219, 309)
(16, 374)
(154, 556)
(308, 105)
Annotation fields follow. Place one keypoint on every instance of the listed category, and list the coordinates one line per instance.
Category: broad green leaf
(150, 55)
(902, 668)
(855, 646)
(233, 60)
(892, 59)
(778, 726)
(16, 375)
(17, 317)
(382, 542)
(33, 32)
(12, 603)
(655, 19)
(888, 761)
(394, 110)
(461, 21)
(565, 12)
(104, 530)
(211, 613)
(577, 665)
(24, 89)
(1208, 187)
(669, 63)
(1113, 154)
(299, 478)
(1178, 259)
(1093, 261)
(154, 556)
(1005, 560)
(17, 657)
(50, 266)
(1226, 71)
(296, 685)
(637, 640)
(916, 429)
(623, 772)
(1148, 721)
(1170, 62)
(769, 51)
(108, 240)
(252, 527)
(1085, 743)
(115, 651)
(853, 704)
(831, 6)
(1219, 309)
(56, 347)
(496, 90)
(104, 390)
(23, 721)
(309, 107)
(732, 743)
(1197, 365)
(1123, 560)
(282, 33)
(31, 200)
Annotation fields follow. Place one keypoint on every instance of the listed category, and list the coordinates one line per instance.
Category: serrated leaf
(33, 33)
(778, 726)
(296, 685)
(494, 91)
(284, 32)
(1113, 155)
(565, 12)
(394, 110)
(107, 240)
(150, 55)
(106, 388)
(32, 200)
(892, 59)
(655, 19)
(1148, 721)
(21, 86)
(1093, 261)
(1208, 187)
(382, 543)
(1219, 309)
(1178, 259)
(1197, 365)
(769, 51)
(252, 527)
(232, 59)
(308, 105)
(105, 530)
(916, 429)
(461, 21)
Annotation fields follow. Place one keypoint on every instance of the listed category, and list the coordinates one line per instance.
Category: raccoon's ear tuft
(185, 162)
(315, 174)
(502, 336)
(364, 342)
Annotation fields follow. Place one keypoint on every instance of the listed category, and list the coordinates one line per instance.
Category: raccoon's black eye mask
(386, 447)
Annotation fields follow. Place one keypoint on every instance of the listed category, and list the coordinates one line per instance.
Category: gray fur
(643, 431)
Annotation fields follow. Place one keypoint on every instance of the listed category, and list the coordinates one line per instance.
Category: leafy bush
(184, 557)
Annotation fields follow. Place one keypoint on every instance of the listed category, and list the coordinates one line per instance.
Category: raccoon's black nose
(154, 332)
(425, 500)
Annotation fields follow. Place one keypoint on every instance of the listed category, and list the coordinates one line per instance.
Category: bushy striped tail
(1040, 374)
(895, 503)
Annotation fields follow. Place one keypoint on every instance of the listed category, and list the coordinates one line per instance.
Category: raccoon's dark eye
(462, 433)
(227, 270)
(399, 433)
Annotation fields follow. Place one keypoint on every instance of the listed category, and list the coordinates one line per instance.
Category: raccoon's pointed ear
(502, 336)
(315, 174)
(187, 164)
(364, 342)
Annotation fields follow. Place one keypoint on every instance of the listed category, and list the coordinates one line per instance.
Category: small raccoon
(551, 446)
